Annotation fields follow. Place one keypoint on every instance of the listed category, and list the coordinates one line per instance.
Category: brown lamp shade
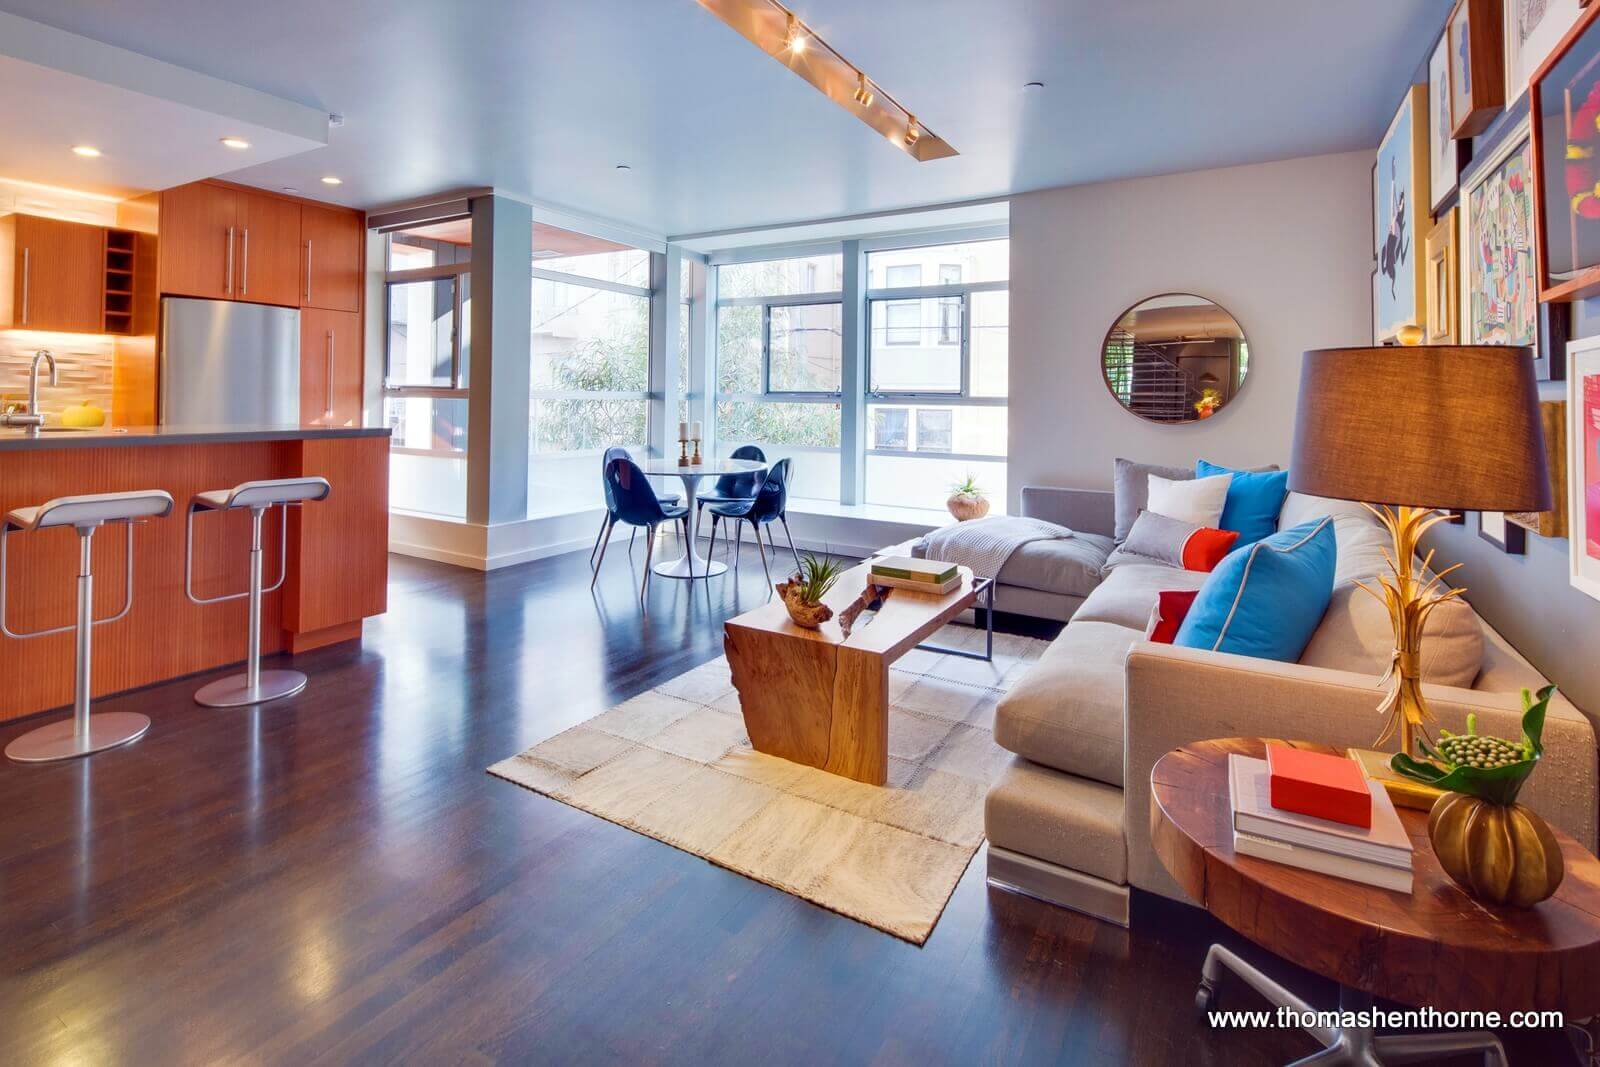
(1434, 426)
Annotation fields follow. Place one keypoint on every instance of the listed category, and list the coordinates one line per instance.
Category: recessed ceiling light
(290, 189)
(1034, 86)
(238, 144)
(331, 180)
(623, 166)
(87, 151)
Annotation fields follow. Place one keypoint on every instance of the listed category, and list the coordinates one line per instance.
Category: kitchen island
(337, 552)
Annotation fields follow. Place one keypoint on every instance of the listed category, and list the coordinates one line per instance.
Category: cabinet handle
(27, 264)
(227, 281)
(244, 266)
(328, 411)
(308, 270)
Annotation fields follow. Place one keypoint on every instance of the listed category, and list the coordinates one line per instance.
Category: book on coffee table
(930, 572)
(1335, 848)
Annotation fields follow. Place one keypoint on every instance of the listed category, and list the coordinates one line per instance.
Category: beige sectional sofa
(1069, 820)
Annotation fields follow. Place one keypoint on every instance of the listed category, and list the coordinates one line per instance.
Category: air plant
(818, 573)
(967, 487)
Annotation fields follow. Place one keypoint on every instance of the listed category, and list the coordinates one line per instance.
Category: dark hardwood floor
(335, 878)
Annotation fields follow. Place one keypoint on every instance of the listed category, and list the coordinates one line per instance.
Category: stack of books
(905, 572)
(1379, 854)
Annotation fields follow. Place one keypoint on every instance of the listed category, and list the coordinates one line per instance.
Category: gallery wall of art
(1486, 230)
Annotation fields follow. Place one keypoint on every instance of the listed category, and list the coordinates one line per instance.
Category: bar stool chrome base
(59, 740)
(235, 691)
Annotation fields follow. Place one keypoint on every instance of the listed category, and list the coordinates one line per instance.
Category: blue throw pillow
(1266, 600)
(1254, 500)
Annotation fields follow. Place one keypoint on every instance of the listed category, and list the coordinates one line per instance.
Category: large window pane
(437, 244)
(991, 343)
(913, 481)
(913, 351)
(758, 421)
(428, 465)
(739, 349)
(629, 266)
(781, 277)
(805, 346)
(589, 339)
(420, 337)
(978, 431)
(970, 262)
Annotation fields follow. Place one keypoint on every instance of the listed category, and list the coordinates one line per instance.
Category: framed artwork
(1402, 181)
(1377, 215)
(1552, 523)
(1564, 102)
(1376, 328)
(1493, 528)
(1583, 463)
(1476, 51)
(1532, 29)
(1499, 276)
(1444, 152)
(1439, 255)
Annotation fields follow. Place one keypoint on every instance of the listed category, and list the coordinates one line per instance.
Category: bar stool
(81, 734)
(254, 686)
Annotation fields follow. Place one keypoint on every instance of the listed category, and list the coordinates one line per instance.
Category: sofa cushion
(1194, 500)
(1254, 500)
(1163, 539)
(1130, 591)
(1266, 600)
(1066, 711)
(1131, 482)
(1356, 635)
(1058, 818)
(1067, 566)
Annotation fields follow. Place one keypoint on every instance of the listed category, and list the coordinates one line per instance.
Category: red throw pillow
(1206, 547)
(1165, 618)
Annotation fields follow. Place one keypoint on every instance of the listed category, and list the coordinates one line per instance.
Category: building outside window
(938, 360)
(779, 365)
(427, 350)
(589, 386)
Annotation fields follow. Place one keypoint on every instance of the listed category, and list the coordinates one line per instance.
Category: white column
(853, 378)
(502, 306)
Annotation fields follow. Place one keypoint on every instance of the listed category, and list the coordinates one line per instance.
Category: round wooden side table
(1434, 948)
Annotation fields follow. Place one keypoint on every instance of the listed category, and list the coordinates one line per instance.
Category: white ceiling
(543, 99)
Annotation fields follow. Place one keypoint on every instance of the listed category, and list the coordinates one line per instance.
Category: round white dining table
(691, 564)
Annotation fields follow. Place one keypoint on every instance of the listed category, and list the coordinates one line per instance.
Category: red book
(1319, 785)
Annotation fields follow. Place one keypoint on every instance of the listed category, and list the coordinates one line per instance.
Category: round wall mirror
(1175, 358)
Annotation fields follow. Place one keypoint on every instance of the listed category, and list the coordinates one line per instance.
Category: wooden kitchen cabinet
(52, 275)
(331, 240)
(330, 368)
(224, 242)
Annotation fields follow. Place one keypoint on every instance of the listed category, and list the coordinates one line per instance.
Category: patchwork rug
(675, 764)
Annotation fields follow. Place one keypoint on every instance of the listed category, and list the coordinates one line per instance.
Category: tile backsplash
(84, 365)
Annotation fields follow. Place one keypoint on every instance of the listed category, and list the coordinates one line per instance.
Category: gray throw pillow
(1132, 485)
(1157, 538)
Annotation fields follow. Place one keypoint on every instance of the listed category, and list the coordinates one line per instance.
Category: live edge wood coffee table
(1434, 948)
(820, 698)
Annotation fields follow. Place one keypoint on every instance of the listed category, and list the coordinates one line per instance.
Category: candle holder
(696, 460)
(683, 452)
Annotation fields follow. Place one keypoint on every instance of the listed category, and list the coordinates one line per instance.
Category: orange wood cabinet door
(331, 258)
(268, 255)
(57, 275)
(330, 368)
(199, 238)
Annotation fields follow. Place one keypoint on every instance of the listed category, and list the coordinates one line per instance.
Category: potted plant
(1210, 400)
(802, 594)
(967, 500)
(1494, 848)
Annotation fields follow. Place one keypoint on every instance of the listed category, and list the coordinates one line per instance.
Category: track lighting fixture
(863, 94)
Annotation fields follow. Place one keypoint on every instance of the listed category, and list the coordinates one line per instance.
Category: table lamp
(1413, 433)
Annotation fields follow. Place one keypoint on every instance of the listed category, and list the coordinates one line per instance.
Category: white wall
(1286, 247)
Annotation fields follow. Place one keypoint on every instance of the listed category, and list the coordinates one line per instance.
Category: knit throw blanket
(986, 544)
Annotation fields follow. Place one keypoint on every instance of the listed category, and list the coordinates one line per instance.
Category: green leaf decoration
(1498, 785)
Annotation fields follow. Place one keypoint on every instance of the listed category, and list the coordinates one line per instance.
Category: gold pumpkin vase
(1498, 853)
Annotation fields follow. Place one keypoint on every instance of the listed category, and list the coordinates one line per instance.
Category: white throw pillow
(1194, 500)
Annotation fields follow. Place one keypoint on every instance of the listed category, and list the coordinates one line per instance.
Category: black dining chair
(731, 487)
(635, 503)
(769, 505)
(609, 519)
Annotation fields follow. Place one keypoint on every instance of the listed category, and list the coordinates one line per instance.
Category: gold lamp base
(1403, 791)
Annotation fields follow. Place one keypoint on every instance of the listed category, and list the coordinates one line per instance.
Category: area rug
(675, 764)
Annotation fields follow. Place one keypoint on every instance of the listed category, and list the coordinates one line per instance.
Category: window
(779, 365)
(427, 355)
(590, 376)
(938, 369)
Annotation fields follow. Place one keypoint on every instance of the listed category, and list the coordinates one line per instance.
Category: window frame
(766, 304)
(455, 390)
(963, 291)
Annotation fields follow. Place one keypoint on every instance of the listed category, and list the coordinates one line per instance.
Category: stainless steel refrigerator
(228, 363)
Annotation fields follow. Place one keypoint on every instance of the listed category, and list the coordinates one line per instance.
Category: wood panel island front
(337, 552)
